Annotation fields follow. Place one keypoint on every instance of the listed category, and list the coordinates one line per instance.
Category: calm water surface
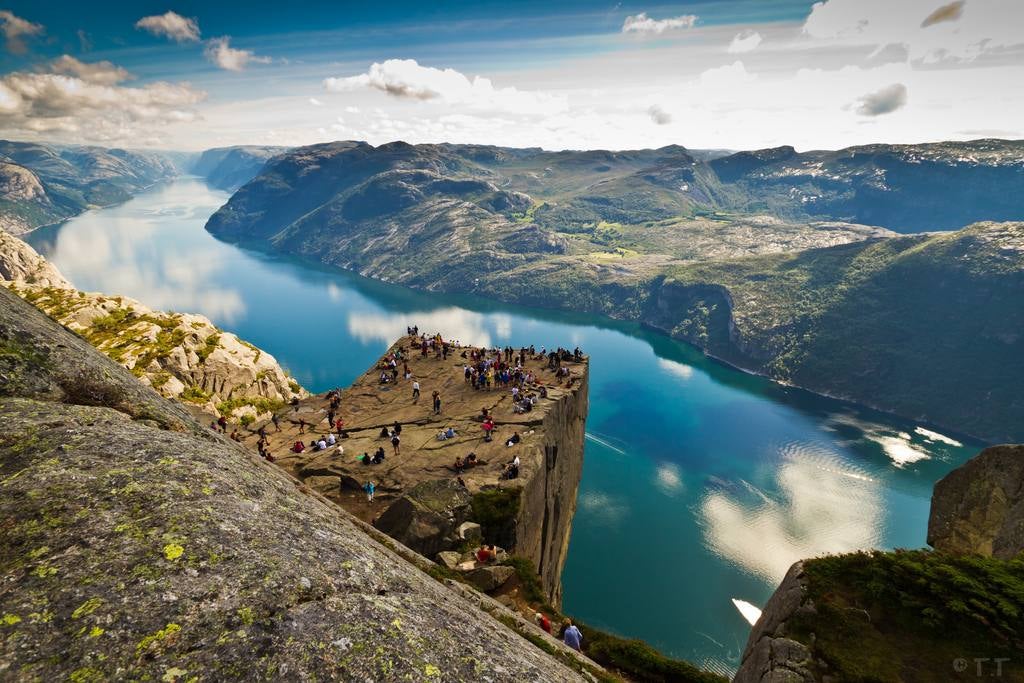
(701, 484)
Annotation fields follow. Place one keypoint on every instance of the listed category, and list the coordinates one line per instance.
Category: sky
(740, 74)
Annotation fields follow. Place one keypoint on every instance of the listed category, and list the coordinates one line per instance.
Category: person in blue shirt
(572, 636)
(370, 488)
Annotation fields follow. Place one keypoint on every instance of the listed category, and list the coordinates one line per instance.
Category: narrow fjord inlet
(701, 484)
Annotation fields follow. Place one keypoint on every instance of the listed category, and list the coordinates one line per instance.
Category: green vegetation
(881, 614)
(194, 394)
(260, 403)
(210, 344)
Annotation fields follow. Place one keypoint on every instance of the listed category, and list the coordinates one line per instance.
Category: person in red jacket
(543, 622)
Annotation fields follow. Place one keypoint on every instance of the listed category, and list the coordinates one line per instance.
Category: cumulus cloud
(220, 52)
(102, 73)
(407, 79)
(884, 101)
(170, 25)
(950, 12)
(79, 100)
(659, 115)
(16, 29)
(745, 41)
(641, 23)
(959, 32)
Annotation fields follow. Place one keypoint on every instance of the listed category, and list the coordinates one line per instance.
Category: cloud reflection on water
(822, 506)
(457, 323)
(118, 256)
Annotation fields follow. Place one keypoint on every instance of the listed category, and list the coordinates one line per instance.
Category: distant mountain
(228, 168)
(923, 326)
(42, 184)
(907, 188)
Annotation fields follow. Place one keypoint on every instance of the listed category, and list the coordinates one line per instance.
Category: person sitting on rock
(365, 459)
(378, 456)
(459, 466)
(513, 440)
(471, 460)
(321, 445)
(384, 433)
(298, 447)
(331, 439)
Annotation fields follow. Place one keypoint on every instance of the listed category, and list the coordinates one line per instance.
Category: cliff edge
(422, 498)
(139, 544)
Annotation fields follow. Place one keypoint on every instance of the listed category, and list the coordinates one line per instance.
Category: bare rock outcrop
(183, 356)
(20, 263)
(978, 508)
(136, 552)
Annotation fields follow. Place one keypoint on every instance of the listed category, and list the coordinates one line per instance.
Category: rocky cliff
(910, 615)
(978, 508)
(228, 168)
(183, 356)
(140, 545)
(422, 501)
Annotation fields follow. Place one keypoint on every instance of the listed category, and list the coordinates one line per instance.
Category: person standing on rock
(543, 622)
(369, 487)
(395, 441)
(277, 424)
(437, 403)
(415, 391)
(572, 636)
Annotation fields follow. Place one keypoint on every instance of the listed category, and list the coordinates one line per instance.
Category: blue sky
(739, 74)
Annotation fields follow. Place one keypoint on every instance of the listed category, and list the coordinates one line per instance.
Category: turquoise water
(701, 484)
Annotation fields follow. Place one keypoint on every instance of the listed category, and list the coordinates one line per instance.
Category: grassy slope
(909, 615)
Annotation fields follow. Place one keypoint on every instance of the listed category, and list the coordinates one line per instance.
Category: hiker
(298, 447)
(338, 424)
(415, 391)
(572, 636)
(331, 439)
(222, 422)
(459, 467)
(365, 459)
(321, 445)
(437, 403)
(543, 622)
(370, 488)
(488, 427)
(378, 455)
(384, 433)
(277, 424)
(395, 441)
(397, 428)
(302, 425)
(513, 440)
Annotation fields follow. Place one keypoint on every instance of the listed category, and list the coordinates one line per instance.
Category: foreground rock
(978, 508)
(421, 500)
(135, 552)
(181, 355)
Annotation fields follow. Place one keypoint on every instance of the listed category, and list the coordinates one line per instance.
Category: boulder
(426, 518)
(470, 531)
(448, 558)
(489, 578)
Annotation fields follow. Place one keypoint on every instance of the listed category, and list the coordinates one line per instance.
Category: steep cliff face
(548, 503)
(139, 545)
(182, 356)
(978, 508)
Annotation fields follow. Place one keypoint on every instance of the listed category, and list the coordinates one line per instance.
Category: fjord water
(701, 484)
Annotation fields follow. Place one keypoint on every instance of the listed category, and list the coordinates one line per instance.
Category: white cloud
(220, 52)
(406, 79)
(744, 41)
(641, 23)
(83, 101)
(351, 110)
(883, 101)
(958, 32)
(15, 29)
(170, 25)
(659, 115)
(102, 73)
(315, 102)
(728, 76)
